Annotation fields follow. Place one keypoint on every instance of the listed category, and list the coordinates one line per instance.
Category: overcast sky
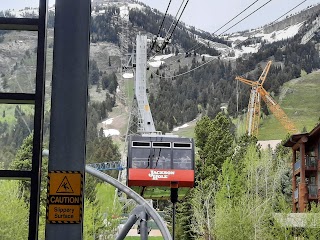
(208, 15)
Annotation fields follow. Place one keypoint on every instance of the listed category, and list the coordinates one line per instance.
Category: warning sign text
(64, 202)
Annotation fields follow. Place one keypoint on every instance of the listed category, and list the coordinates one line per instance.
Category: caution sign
(64, 199)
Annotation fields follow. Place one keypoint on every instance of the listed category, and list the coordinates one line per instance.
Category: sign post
(69, 100)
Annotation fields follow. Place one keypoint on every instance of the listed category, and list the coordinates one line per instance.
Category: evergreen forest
(241, 190)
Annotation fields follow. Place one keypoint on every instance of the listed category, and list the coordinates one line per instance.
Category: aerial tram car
(158, 166)
(157, 163)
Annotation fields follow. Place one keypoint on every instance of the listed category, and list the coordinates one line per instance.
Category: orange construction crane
(253, 115)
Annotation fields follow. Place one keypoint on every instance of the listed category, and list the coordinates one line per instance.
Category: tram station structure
(305, 169)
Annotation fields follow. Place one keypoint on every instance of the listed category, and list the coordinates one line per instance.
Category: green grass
(187, 131)
(162, 193)
(300, 103)
(8, 111)
(138, 238)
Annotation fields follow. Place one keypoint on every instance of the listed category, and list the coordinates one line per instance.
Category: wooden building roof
(313, 135)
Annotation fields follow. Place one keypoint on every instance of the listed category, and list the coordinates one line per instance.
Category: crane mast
(278, 112)
(254, 106)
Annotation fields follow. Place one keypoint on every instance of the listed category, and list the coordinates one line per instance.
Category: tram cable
(164, 18)
(238, 21)
(276, 19)
(178, 19)
(176, 16)
(246, 17)
(191, 70)
(210, 34)
(161, 25)
(289, 11)
(170, 32)
(236, 16)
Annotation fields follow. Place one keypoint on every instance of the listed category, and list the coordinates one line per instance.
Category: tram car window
(161, 157)
(182, 155)
(160, 153)
(141, 154)
(156, 162)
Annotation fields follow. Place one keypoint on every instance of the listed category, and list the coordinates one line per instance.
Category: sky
(208, 15)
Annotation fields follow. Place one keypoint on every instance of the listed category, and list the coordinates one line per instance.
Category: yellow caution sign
(64, 199)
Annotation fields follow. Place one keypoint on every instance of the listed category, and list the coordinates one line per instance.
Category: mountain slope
(212, 85)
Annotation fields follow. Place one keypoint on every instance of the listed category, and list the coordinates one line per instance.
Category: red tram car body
(156, 163)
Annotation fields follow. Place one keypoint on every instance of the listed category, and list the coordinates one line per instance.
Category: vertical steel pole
(69, 99)
(38, 122)
(173, 219)
(144, 225)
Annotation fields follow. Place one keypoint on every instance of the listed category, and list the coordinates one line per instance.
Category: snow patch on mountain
(156, 61)
(183, 126)
(237, 39)
(22, 13)
(127, 75)
(284, 34)
(108, 121)
(135, 5)
(111, 132)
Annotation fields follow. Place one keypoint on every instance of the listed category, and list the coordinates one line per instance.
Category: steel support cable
(164, 18)
(236, 16)
(170, 28)
(167, 77)
(210, 34)
(239, 21)
(178, 75)
(161, 25)
(178, 19)
(278, 18)
(245, 17)
(219, 35)
(176, 16)
(288, 11)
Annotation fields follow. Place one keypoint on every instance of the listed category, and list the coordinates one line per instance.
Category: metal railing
(296, 193)
(311, 162)
(313, 190)
(104, 166)
(297, 165)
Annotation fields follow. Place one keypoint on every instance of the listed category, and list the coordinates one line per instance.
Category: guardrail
(296, 193)
(297, 165)
(313, 190)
